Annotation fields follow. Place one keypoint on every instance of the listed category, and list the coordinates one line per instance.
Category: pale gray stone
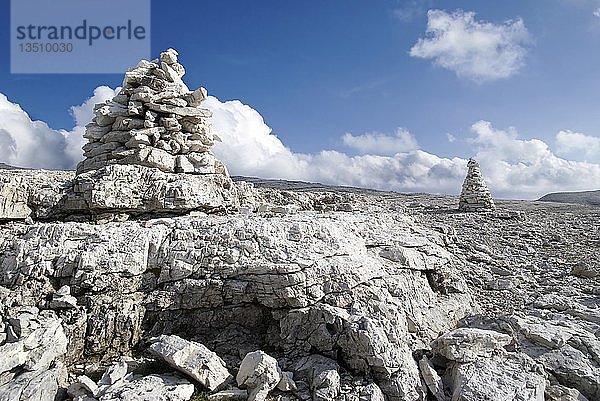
(573, 369)
(507, 377)
(13, 200)
(62, 299)
(193, 359)
(229, 395)
(195, 98)
(127, 123)
(169, 56)
(287, 382)
(37, 385)
(116, 372)
(170, 124)
(203, 163)
(138, 140)
(181, 111)
(432, 379)
(38, 339)
(88, 384)
(142, 189)
(259, 373)
(151, 387)
(468, 344)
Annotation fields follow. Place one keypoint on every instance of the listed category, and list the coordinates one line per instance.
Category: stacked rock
(154, 121)
(475, 195)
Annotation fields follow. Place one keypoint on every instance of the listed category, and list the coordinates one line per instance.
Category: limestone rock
(371, 392)
(561, 393)
(229, 395)
(88, 384)
(260, 373)
(193, 359)
(287, 382)
(508, 377)
(572, 368)
(303, 283)
(468, 344)
(432, 379)
(138, 189)
(63, 299)
(115, 373)
(475, 195)
(38, 339)
(37, 385)
(13, 201)
(363, 293)
(31, 193)
(152, 387)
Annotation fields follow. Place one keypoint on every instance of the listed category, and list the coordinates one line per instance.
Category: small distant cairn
(475, 195)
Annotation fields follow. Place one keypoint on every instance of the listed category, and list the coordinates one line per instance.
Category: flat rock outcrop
(301, 284)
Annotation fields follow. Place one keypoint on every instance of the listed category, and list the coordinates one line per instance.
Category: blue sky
(316, 70)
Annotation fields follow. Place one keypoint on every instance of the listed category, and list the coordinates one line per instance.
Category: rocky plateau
(144, 277)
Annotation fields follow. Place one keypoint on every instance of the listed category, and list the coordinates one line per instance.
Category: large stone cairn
(154, 121)
(475, 195)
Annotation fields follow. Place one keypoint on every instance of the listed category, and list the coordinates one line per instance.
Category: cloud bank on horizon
(513, 167)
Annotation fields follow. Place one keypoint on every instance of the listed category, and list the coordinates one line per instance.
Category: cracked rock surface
(355, 295)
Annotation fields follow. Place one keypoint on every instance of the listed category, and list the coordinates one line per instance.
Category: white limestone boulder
(468, 344)
(260, 373)
(193, 359)
(506, 377)
(152, 387)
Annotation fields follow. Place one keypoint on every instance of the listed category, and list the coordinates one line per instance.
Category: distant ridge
(8, 167)
(591, 198)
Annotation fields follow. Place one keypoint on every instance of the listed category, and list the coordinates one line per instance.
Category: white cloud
(478, 50)
(411, 9)
(527, 168)
(381, 144)
(82, 115)
(451, 138)
(28, 143)
(249, 148)
(578, 146)
(597, 12)
(513, 167)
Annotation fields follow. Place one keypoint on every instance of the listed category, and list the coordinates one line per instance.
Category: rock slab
(193, 359)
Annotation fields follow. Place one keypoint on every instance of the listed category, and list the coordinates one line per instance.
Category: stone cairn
(154, 121)
(475, 195)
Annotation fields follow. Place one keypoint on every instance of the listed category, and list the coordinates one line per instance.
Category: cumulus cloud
(513, 167)
(382, 144)
(249, 148)
(34, 144)
(527, 168)
(478, 50)
(82, 115)
(578, 146)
